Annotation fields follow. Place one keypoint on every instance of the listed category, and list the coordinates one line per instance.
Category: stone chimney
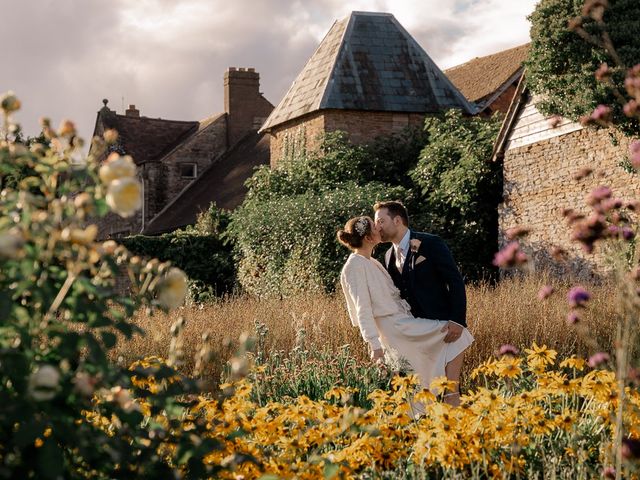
(245, 106)
(132, 111)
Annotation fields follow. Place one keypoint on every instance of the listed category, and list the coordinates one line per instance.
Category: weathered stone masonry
(539, 185)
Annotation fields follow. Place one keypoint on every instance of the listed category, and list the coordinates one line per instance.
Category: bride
(384, 318)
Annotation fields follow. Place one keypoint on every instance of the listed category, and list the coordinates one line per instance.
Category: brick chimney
(245, 106)
(132, 111)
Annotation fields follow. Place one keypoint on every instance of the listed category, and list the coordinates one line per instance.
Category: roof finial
(105, 101)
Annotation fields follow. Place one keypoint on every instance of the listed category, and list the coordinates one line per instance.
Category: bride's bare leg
(452, 371)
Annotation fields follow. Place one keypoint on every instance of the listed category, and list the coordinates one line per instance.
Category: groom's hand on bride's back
(454, 331)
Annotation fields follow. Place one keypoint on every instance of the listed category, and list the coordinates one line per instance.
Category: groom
(427, 278)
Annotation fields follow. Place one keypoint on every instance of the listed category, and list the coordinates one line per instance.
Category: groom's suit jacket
(430, 280)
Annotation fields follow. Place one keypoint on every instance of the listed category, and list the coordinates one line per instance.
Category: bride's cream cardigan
(370, 295)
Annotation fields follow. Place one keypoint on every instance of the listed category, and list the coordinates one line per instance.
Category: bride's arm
(355, 286)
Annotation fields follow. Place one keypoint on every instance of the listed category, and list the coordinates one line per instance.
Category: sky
(168, 57)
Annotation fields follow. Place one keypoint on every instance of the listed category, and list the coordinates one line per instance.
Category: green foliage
(561, 65)
(288, 244)
(460, 188)
(67, 410)
(284, 233)
(337, 161)
(280, 376)
(202, 251)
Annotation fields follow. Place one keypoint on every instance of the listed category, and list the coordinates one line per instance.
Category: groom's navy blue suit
(433, 287)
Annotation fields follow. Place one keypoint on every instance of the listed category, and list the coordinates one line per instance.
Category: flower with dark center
(578, 297)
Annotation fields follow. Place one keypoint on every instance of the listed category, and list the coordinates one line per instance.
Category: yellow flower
(172, 289)
(574, 362)
(539, 357)
(443, 385)
(509, 367)
(566, 419)
(124, 196)
(116, 167)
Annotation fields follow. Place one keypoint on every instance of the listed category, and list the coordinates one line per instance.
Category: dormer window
(188, 170)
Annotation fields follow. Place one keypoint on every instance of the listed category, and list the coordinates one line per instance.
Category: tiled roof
(147, 139)
(222, 182)
(368, 61)
(480, 78)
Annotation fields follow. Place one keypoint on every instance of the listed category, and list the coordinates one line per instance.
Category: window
(188, 170)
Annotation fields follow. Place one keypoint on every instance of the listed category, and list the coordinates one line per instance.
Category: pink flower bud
(603, 73)
(545, 292)
(508, 349)
(598, 359)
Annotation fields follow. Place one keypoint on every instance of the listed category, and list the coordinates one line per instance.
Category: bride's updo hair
(354, 232)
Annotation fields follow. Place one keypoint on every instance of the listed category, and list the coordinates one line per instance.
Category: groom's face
(386, 224)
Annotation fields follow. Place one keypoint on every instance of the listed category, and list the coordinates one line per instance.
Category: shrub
(459, 188)
(201, 251)
(67, 410)
(561, 65)
(288, 245)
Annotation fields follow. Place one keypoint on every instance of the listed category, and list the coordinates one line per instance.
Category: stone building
(540, 161)
(368, 77)
(186, 165)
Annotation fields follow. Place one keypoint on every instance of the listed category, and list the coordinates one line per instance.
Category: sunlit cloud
(168, 58)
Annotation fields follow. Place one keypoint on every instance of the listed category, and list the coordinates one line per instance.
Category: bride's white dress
(385, 321)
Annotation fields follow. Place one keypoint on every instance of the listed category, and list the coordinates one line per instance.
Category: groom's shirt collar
(404, 243)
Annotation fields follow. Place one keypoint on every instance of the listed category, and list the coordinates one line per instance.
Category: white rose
(172, 289)
(116, 167)
(11, 243)
(124, 196)
(43, 383)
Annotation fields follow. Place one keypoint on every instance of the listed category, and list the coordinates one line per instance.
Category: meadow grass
(508, 312)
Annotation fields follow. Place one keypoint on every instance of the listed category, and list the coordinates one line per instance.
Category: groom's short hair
(395, 209)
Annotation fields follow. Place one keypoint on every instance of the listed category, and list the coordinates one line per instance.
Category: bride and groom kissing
(413, 308)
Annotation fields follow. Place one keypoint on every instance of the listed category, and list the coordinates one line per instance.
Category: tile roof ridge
(461, 65)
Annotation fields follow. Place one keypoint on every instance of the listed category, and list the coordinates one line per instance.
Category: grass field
(507, 313)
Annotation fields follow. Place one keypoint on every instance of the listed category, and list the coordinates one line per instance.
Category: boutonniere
(414, 245)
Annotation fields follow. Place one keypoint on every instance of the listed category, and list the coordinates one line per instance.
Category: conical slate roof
(368, 61)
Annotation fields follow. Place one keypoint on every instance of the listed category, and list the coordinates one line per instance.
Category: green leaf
(330, 470)
(109, 339)
(50, 461)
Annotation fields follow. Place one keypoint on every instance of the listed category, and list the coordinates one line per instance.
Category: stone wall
(539, 184)
(296, 137)
(362, 126)
(203, 149)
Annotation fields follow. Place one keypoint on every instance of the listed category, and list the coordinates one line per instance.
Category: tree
(460, 188)
(561, 65)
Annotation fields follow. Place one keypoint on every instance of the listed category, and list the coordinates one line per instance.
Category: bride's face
(374, 236)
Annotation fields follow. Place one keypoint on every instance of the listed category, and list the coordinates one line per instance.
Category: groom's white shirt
(401, 250)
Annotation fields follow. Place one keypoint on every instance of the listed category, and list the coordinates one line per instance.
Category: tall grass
(507, 313)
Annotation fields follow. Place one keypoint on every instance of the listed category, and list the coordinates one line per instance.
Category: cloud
(168, 58)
